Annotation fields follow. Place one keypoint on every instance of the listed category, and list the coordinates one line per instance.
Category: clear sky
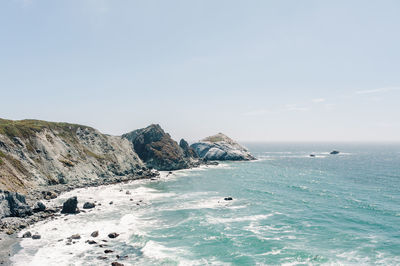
(255, 70)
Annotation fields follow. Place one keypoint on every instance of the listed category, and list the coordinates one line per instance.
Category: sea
(287, 208)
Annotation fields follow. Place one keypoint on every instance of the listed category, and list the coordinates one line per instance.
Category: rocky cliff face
(220, 147)
(35, 153)
(158, 150)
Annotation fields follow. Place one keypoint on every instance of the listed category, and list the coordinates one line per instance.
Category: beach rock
(13, 204)
(36, 236)
(39, 207)
(27, 235)
(334, 152)
(116, 264)
(70, 206)
(89, 205)
(95, 234)
(228, 198)
(75, 236)
(221, 148)
(108, 251)
(91, 242)
(157, 149)
(113, 235)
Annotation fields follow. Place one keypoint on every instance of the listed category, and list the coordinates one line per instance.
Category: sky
(255, 70)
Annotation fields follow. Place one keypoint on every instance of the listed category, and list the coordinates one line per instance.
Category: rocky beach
(41, 160)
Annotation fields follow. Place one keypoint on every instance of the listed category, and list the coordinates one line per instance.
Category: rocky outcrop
(37, 153)
(13, 204)
(187, 150)
(158, 150)
(222, 148)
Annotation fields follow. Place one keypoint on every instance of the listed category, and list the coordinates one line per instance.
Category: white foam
(215, 220)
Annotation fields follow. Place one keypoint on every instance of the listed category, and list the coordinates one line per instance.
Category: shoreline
(9, 242)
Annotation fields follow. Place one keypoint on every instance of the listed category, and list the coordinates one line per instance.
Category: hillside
(36, 153)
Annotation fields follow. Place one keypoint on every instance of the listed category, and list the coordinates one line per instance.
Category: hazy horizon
(258, 71)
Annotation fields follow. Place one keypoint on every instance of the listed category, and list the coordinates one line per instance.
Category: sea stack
(158, 150)
(221, 148)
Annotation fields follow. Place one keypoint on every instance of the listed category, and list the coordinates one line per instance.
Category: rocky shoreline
(39, 160)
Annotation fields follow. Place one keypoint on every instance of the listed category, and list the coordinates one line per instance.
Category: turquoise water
(287, 208)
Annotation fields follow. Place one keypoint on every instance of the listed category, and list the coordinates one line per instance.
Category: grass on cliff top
(27, 128)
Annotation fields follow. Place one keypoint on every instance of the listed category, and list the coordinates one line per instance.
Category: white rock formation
(222, 148)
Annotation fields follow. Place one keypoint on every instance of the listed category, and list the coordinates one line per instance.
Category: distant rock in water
(312, 155)
(221, 148)
(334, 152)
(158, 150)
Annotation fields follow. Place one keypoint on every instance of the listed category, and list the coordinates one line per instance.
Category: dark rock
(187, 150)
(116, 264)
(312, 155)
(113, 235)
(27, 235)
(111, 202)
(228, 198)
(13, 204)
(39, 207)
(91, 242)
(76, 236)
(334, 152)
(36, 236)
(102, 257)
(128, 192)
(122, 257)
(89, 205)
(157, 149)
(108, 251)
(70, 206)
(95, 234)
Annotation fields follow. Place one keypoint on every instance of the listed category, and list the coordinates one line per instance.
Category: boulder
(113, 235)
(70, 206)
(36, 236)
(27, 235)
(13, 204)
(334, 152)
(116, 264)
(76, 236)
(108, 251)
(221, 148)
(228, 198)
(39, 207)
(89, 205)
(95, 234)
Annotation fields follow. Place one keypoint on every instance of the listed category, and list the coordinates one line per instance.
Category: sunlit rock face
(222, 148)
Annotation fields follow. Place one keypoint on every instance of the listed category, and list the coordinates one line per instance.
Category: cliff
(37, 153)
(159, 151)
(221, 148)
